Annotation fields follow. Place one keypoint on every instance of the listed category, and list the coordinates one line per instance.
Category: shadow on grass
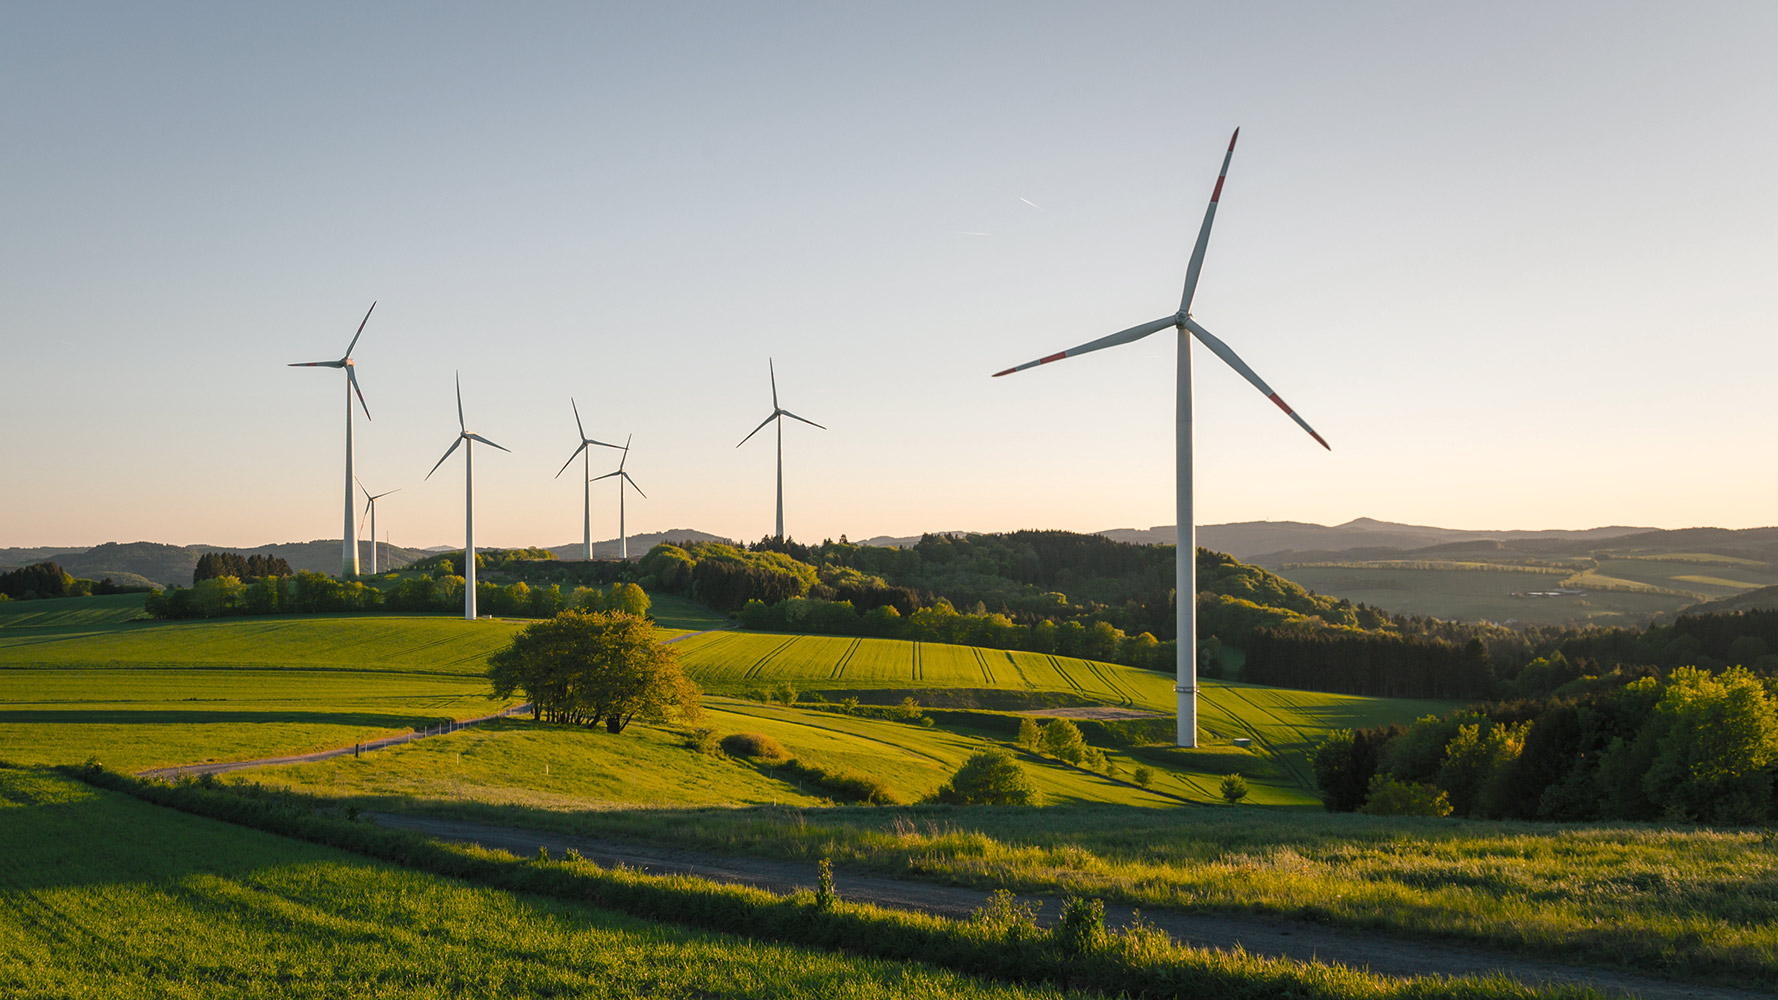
(199, 716)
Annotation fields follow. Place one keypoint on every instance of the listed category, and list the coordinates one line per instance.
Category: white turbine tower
(1185, 577)
(623, 538)
(468, 499)
(778, 414)
(349, 545)
(370, 511)
(585, 450)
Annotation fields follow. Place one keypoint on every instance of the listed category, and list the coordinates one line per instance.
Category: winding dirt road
(1296, 940)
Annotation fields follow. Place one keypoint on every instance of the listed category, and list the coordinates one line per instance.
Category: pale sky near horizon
(1514, 261)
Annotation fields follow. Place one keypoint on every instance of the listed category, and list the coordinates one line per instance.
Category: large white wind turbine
(1186, 532)
(623, 538)
(586, 452)
(349, 551)
(370, 511)
(468, 499)
(778, 414)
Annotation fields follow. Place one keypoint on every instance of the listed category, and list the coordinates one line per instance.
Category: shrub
(703, 741)
(1143, 775)
(1234, 788)
(754, 745)
(907, 711)
(989, 777)
(846, 786)
(1389, 797)
(1062, 740)
(1029, 735)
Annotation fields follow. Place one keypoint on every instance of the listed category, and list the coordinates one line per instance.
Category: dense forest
(49, 579)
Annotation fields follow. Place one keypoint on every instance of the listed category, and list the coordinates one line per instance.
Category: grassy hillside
(236, 912)
(144, 695)
(61, 612)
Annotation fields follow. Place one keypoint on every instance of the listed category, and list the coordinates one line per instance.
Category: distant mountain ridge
(138, 563)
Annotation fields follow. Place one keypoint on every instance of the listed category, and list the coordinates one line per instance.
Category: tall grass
(1139, 961)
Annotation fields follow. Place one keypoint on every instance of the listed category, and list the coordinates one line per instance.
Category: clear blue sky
(1515, 262)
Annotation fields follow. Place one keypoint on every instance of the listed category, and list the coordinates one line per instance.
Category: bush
(992, 778)
(1389, 797)
(1234, 788)
(1143, 775)
(1029, 735)
(754, 745)
(845, 786)
(1062, 740)
(703, 741)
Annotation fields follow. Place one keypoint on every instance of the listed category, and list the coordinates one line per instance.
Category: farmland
(143, 695)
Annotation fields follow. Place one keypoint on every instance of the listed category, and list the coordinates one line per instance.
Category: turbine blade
(317, 364)
(483, 440)
(633, 485)
(603, 444)
(385, 493)
(360, 483)
(756, 430)
(1197, 261)
(1121, 337)
(607, 475)
(447, 454)
(361, 518)
(622, 461)
(460, 424)
(352, 377)
(773, 371)
(577, 423)
(360, 333)
(805, 420)
(1234, 361)
(571, 459)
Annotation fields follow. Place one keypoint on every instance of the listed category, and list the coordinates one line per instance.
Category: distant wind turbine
(468, 499)
(586, 453)
(370, 511)
(1185, 574)
(623, 538)
(349, 551)
(778, 414)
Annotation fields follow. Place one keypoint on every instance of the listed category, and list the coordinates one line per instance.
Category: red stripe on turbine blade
(1320, 441)
(1009, 371)
(1232, 139)
(1059, 355)
(1282, 405)
(1216, 195)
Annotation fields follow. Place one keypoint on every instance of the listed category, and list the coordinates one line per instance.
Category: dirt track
(1280, 938)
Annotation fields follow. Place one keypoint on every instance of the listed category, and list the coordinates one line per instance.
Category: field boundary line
(442, 729)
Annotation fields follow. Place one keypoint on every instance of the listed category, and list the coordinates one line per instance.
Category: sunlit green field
(191, 907)
(143, 695)
(1473, 595)
(741, 662)
(65, 611)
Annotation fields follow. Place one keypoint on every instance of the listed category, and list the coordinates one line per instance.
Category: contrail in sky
(1033, 204)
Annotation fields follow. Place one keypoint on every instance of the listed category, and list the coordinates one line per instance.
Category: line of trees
(313, 593)
(214, 564)
(1692, 745)
(48, 579)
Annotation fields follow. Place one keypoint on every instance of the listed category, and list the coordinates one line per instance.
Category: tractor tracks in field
(839, 669)
(1276, 937)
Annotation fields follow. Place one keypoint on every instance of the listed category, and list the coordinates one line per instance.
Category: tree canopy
(591, 667)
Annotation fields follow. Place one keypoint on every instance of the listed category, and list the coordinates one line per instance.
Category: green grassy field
(151, 694)
(191, 907)
(1697, 904)
(72, 611)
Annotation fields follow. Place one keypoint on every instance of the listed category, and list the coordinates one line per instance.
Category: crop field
(144, 695)
(742, 662)
(1467, 595)
(72, 611)
(191, 907)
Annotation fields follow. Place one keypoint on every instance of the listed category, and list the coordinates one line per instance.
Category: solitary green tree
(989, 777)
(587, 668)
(1234, 788)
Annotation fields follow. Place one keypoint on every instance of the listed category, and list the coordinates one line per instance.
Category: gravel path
(1295, 940)
(441, 729)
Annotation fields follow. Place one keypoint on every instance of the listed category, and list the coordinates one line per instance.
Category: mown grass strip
(1001, 943)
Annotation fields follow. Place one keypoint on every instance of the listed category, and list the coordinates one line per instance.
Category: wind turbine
(1185, 578)
(778, 414)
(370, 511)
(623, 539)
(468, 499)
(349, 565)
(585, 450)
